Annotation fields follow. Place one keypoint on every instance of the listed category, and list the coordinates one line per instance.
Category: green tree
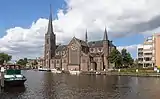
(126, 58)
(4, 58)
(25, 61)
(116, 58)
(130, 59)
(34, 64)
(135, 63)
(22, 62)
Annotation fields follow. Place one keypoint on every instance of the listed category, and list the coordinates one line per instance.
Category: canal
(45, 85)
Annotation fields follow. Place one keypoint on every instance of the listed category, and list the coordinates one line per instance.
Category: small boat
(56, 71)
(13, 76)
(43, 69)
(72, 72)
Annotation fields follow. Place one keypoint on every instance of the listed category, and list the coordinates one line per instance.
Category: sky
(23, 23)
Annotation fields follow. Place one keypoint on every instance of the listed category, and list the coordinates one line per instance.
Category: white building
(145, 55)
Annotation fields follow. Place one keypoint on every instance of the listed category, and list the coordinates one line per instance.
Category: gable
(73, 41)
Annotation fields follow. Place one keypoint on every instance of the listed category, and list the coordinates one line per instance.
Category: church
(77, 55)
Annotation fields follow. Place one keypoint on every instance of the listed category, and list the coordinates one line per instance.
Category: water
(44, 85)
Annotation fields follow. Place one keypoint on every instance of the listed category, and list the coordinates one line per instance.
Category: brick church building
(79, 55)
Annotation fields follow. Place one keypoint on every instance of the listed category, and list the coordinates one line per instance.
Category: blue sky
(22, 13)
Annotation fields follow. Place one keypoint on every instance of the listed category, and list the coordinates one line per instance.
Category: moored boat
(13, 76)
(56, 71)
(43, 69)
(72, 72)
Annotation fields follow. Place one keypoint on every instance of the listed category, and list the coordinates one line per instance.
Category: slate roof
(83, 43)
(91, 44)
(61, 47)
(98, 43)
(95, 43)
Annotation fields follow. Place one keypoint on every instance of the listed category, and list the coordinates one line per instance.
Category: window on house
(148, 58)
(147, 53)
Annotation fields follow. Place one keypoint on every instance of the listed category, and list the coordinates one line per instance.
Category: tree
(4, 58)
(35, 62)
(130, 59)
(126, 58)
(116, 58)
(22, 62)
(135, 63)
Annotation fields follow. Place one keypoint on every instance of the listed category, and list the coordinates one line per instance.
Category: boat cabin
(13, 69)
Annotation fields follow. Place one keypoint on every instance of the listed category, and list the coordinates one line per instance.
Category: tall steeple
(105, 35)
(50, 43)
(86, 36)
(50, 25)
(105, 50)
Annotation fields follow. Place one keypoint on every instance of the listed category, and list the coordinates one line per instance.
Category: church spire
(105, 35)
(50, 25)
(86, 36)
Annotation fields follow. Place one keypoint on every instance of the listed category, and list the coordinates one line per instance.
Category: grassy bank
(133, 70)
(148, 72)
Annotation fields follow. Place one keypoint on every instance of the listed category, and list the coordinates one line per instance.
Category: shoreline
(133, 74)
(110, 73)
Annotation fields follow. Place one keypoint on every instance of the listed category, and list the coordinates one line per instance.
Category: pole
(2, 77)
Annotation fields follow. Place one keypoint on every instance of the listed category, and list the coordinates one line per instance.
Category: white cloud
(122, 17)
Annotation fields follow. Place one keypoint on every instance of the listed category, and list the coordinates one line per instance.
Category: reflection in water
(19, 89)
(45, 85)
(11, 92)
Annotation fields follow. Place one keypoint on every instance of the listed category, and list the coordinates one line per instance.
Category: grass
(133, 70)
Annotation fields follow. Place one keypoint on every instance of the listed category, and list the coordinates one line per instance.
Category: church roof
(83, 43)
(61, 47)
(95, 43)
(91, 44)
(99, 43)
